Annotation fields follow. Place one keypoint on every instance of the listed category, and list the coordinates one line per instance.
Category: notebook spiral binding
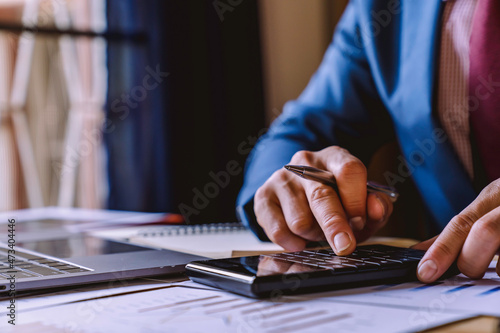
(194, 229)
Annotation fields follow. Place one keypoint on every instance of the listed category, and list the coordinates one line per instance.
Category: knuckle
(263, 193)
(280, 178)
(487, 230)
(461, 224)
(319, 195)
(281, 175)
(323, 211)
(303, 156)
(301, 226)
(263, 202)
(276, 234)
(331, 221)
(443, 250)
(336, 150)
(352, 169)
(354, 205)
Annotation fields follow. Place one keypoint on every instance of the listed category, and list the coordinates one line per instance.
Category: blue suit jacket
(375, 84)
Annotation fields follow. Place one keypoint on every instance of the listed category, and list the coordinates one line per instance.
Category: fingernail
(357, 223)
(382, 203)
(427, 270)
(342, 241)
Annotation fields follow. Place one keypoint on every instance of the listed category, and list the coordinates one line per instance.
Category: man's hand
(473, 236)
(292, 210)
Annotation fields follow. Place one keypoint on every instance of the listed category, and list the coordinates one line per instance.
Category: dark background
(164, 146)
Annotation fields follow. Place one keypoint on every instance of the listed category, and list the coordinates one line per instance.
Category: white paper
(85, 293)
(219, 245)
(211, 244)
(458, 294)
(188, 309)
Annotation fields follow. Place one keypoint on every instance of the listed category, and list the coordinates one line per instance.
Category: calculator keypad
(364, 258)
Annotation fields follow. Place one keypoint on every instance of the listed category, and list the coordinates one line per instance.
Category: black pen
(327, 178)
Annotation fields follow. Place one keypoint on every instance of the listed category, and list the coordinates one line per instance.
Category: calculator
(305, 271)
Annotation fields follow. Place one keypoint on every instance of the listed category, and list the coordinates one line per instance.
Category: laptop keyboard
(27, 265)
(364, 258)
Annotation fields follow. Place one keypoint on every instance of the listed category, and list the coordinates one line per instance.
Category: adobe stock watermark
(486, 88)
(434, 307)
(219, 181)
(417, 157)
(203, 195)
(225, 6)
(297, 275)
(379, 20)
(87, 312)
(458, 115)
(11, 278)
(120, 107)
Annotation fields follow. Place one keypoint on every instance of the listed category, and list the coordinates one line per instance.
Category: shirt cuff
(246, 215)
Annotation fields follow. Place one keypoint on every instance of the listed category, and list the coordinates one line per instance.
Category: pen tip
(287, 167)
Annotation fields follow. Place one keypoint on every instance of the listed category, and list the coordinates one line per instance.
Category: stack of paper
(188, 307)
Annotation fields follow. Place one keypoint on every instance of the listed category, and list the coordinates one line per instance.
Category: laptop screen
(79, 245)
(51, 237)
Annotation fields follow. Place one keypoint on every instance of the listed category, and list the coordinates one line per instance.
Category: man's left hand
(472, 238)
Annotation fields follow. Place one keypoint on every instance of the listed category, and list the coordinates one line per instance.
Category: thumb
(425, 245)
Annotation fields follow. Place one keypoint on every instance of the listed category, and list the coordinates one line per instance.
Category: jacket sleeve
(340, 106)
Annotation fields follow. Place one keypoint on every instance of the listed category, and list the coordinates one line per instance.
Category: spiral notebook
(216, 240)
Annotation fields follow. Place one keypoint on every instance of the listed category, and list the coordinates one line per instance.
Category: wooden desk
(482, 324)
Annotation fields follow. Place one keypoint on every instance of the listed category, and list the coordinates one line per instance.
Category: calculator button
(383, 264)
(339, 268)
(414, 258)
(365, 266)
(388, 259)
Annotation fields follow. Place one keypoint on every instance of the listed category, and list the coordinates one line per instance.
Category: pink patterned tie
(484, 84)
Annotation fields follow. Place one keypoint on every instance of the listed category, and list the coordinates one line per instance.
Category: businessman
(424, 73)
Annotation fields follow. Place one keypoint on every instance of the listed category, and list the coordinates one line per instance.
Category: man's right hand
(293, 211)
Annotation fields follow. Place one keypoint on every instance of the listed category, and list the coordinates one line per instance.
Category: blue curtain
(184, 101)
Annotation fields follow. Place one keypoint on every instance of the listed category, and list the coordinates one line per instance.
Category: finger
(329, 213)
(447, 246)
(425, 244)
(298, 215)
(379, 209)
(481, 245)
(445, 249)
(351, 175)
(270, 217)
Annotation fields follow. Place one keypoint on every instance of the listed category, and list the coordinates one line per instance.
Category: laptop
(48, 256)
